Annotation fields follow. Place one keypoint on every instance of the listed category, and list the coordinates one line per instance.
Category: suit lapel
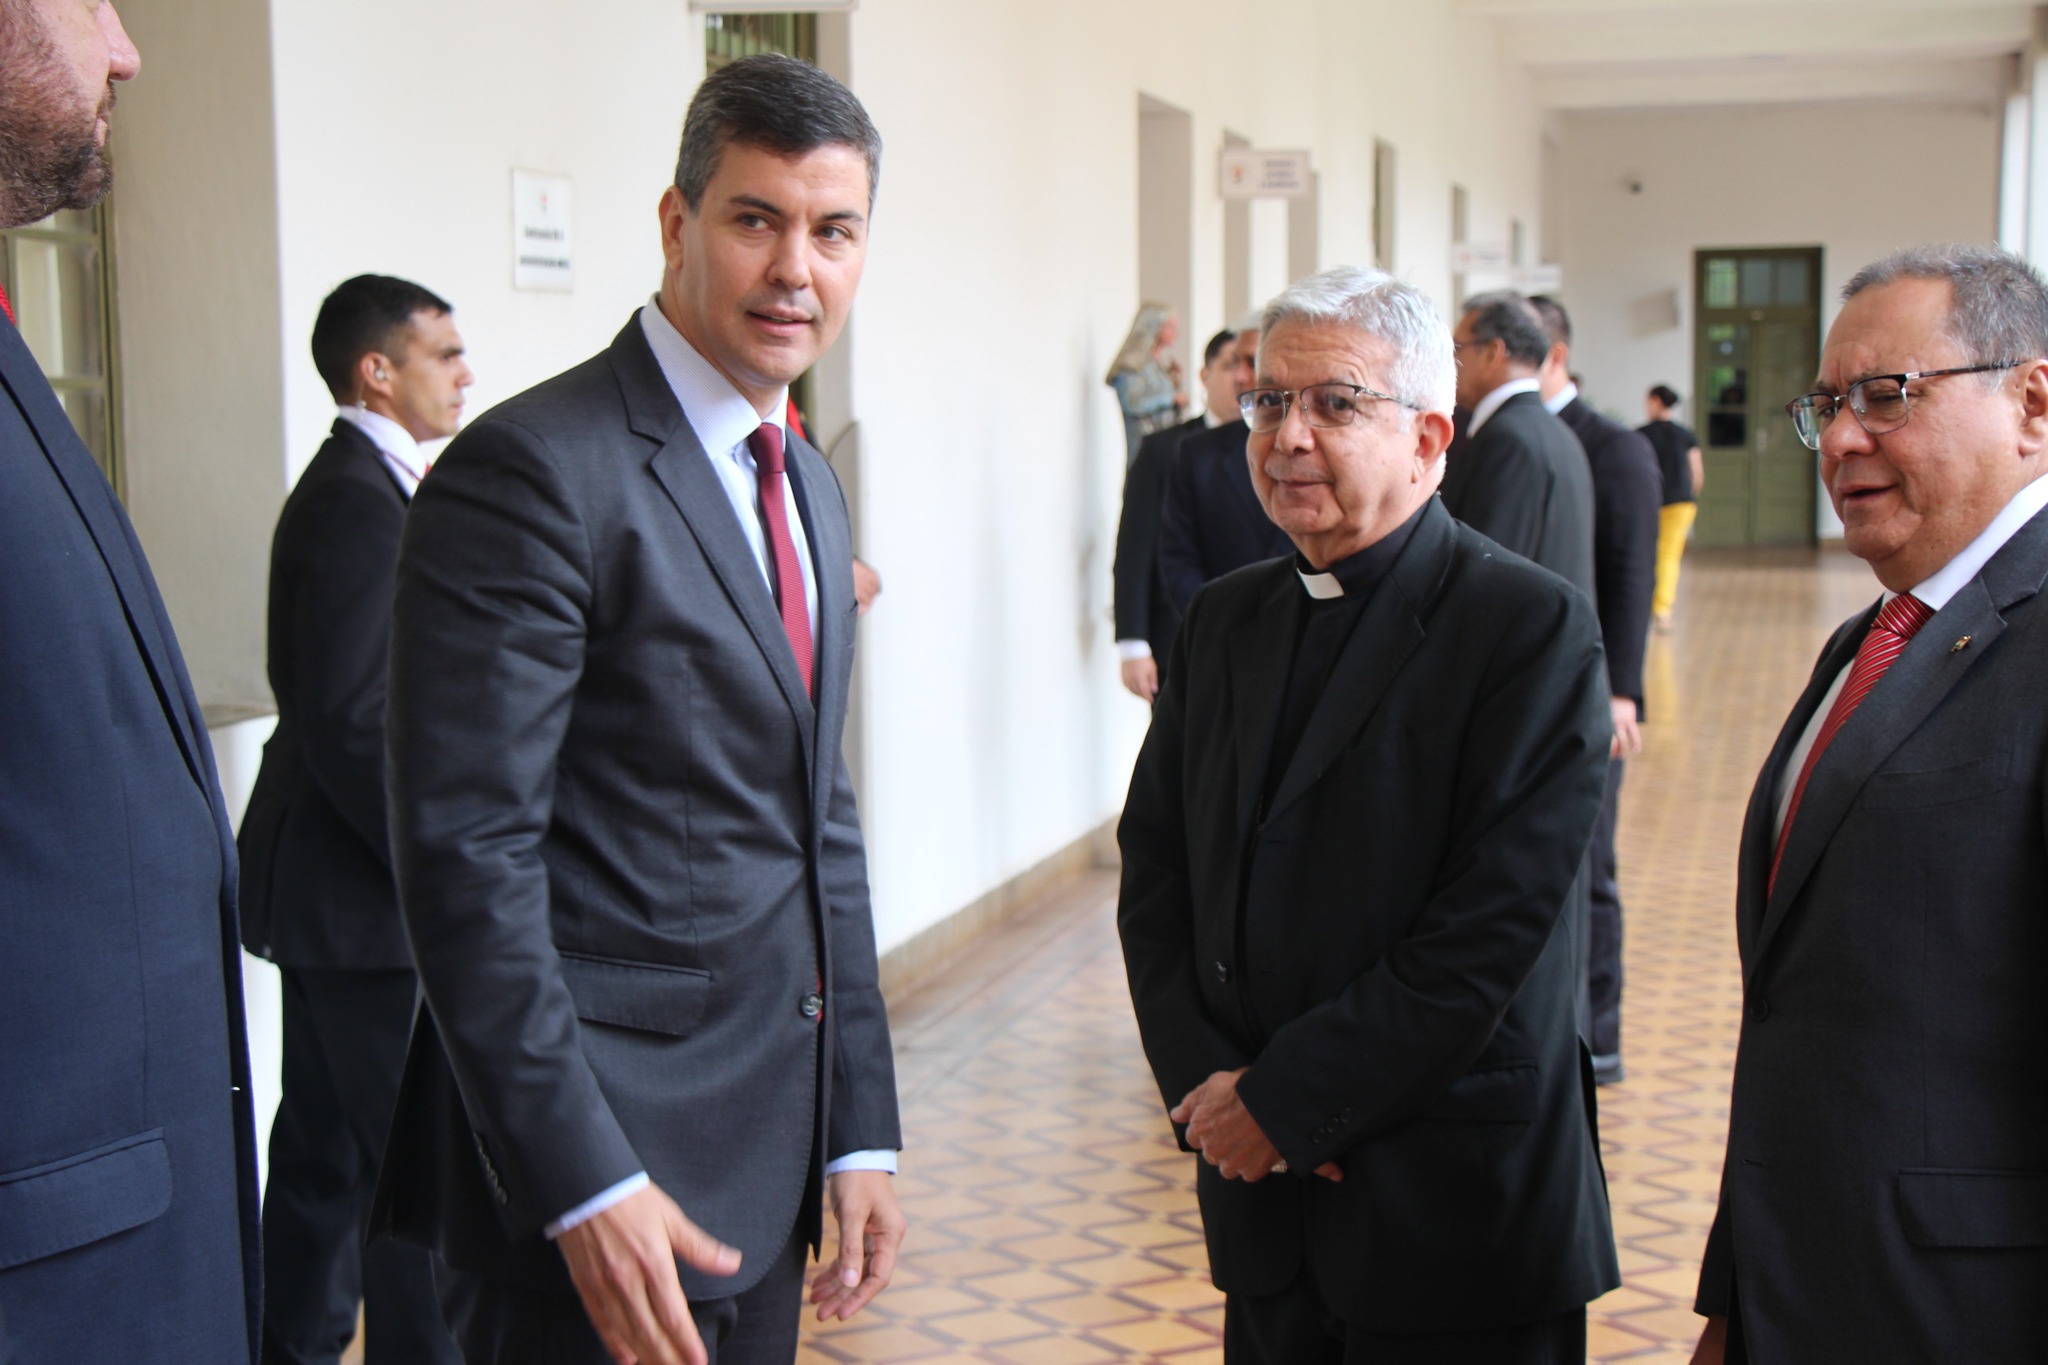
(831, 557)
(1260, 652)
(89, 493)
(1379, 647)
(684, 470)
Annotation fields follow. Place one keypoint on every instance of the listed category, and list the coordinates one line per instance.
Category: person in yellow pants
(1678, 458)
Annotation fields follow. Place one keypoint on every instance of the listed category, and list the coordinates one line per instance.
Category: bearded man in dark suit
(627, 853)
(1882, 1198)
(1349, 849)
(128, 1224)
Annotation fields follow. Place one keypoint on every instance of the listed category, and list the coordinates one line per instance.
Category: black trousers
(501, 1324)
(1296, 1327)
(1603, 940)
(345, 1035)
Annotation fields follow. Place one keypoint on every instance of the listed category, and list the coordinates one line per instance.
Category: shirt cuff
(879, 1159)
(596, 1204)
(1127, 650)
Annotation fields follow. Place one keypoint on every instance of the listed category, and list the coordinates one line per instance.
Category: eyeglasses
(1880, 402)
(1323, 405)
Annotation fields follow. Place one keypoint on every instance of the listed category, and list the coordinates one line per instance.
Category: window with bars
(60, 278)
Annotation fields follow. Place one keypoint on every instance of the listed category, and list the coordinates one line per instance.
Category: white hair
(1422, 373)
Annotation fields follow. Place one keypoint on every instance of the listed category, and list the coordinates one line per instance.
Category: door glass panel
(1757, 277)
(56, 292)
(1720, 287)
(1795, 283)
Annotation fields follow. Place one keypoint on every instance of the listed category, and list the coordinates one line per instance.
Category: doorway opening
(1166, 214)
(60, 276)
(1756, 345)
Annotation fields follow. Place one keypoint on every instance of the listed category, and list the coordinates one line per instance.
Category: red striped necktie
(1898, 622)
(6, 304)
(766, 443)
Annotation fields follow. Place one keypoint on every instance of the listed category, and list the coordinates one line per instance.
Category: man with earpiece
(318, 897)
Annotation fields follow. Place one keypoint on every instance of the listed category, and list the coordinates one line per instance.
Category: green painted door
(1756, 347)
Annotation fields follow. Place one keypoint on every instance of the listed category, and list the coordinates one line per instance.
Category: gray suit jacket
(1885, 1196)
(1523, 483)
(625, 840)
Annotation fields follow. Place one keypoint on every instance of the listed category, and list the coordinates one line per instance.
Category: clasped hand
(1226, 1134)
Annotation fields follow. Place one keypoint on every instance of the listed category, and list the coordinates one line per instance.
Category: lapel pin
(1959, 645)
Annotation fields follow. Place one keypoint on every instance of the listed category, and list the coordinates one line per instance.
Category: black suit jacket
(128, 1214)
(1213, 521)
(1885, 1196)
(625, 840)
(1523, 483)
(1388, 945)
(1143, 609)
(316, 856)
(1628, 488)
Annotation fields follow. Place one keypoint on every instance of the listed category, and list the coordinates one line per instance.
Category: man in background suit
(1627, 491)
(1888, 1129)
(317, 894)
(625, 839)
(1145, 616)
(1349, 845)
(1523, 481)
(128, 1221)
(1211, 522)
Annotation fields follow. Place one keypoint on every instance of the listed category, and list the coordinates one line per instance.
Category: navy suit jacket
(1144, 611)
(1628, 489)
(128, 1215)
(1213, 521)
(1523, 483)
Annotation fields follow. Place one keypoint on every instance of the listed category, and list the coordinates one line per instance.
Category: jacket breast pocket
(1501, 1094)
(1944, 786)
(83, 1198)
(637, 995)
(1951, 1208)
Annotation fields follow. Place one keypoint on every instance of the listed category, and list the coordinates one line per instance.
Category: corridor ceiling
(1614, 54)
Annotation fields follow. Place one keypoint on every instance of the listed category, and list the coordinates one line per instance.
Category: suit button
(813, 1005)
(1760, 1009)
(1223, 972)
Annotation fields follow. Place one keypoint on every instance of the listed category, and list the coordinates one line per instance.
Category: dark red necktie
(6, 304)
(1898, 622)
(766, 443)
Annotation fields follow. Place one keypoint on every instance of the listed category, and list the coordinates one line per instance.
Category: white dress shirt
(1126, 650)
(1489, 405)
(722, 418)
(1559, 401)
(402, 454)
(1935, 591)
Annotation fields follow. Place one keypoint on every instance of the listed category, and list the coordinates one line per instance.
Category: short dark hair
(775, 102)
(1555, 320)
(1664, 394)
(359, 317)
(1216, 345)
(1506, 317)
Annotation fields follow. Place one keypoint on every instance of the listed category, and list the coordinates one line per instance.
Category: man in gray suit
(623, 833)
(1885, 1196)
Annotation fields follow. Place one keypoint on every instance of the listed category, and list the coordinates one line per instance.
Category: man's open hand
(1226, 1134)
(871, 1230)
(624, 1264)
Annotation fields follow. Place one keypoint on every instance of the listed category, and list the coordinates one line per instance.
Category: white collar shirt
(401, 453)
(722, 418)
(1489, 405)
(1562, 399)
(1937, 591)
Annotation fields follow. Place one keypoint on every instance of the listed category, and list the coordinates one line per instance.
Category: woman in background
(1146, 377)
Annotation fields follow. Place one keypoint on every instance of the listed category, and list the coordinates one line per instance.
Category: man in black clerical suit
(625, 838)
(1349, 845)
(1146, 617)
(317, 893)
(1212, 522)
(1627, 491)
(1522, 481)
(128, 1217)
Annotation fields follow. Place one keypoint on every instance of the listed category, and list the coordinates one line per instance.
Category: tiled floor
(1053, 1222)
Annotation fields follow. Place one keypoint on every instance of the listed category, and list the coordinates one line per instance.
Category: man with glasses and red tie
(1349, 850)
(624, 837)
(1885, 1193)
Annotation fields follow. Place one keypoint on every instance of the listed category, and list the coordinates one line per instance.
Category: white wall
(1782, 176)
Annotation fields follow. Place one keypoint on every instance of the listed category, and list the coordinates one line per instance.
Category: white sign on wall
(543, 251)
(1479, 258)
(1251, 174)
(1541, 279)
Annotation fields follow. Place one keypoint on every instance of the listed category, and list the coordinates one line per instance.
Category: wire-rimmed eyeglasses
(1323, 405)
(1880, 401)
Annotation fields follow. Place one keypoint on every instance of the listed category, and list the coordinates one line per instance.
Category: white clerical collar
(400, 451)
(1562, 399)
(1321, 586)
(1953, 576)
(1489, 405)
(719, 413)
